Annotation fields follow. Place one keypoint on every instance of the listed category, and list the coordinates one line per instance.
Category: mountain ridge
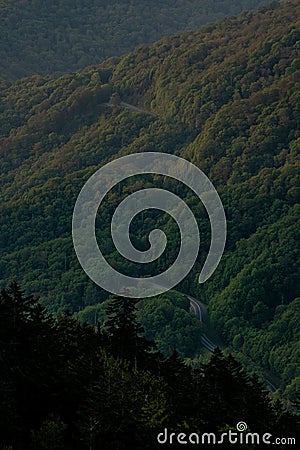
(42, 36)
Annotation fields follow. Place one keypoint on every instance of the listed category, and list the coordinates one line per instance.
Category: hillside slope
(51, 36)
(225, 97)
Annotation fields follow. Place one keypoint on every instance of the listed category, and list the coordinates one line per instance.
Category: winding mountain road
(195, 306)
(200, 311)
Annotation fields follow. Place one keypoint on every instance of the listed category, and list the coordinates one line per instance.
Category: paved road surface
(132, 108)
(200, 312)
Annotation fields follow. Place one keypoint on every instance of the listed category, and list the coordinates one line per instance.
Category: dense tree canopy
(52, 36)
(225, 97)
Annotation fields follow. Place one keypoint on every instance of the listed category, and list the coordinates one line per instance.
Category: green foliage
(225, 97)
(49, 436)
(167, 321)
(63, 36)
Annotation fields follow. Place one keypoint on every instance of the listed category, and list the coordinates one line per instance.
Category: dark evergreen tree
(179, 381)
(125, 335)
(26, 371)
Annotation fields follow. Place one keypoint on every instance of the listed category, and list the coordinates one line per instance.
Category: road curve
(200, 312)
(198, 309)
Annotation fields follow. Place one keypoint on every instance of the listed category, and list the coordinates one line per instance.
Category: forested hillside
(51, 36)
(227, 98)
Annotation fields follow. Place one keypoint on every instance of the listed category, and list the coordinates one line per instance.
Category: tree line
(68, 385)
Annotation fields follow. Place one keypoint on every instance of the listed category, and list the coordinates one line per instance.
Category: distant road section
(200, 312)
(132, 108)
